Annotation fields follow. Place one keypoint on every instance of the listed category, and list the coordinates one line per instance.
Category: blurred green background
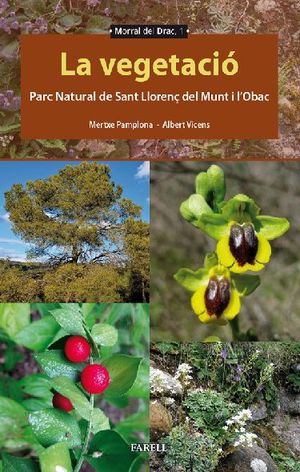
(273, 310)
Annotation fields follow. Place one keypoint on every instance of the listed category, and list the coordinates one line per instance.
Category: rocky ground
(277, 431)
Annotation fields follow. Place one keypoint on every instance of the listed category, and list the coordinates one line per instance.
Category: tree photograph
(74, 232)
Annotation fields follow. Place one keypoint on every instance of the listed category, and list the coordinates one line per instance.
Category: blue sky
(132, 176)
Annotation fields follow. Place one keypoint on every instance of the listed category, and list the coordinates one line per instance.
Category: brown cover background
(40, 71)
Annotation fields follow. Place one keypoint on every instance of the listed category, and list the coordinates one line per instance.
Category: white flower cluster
(5, 140)
(163, 384)
(246, 440)
(237, 424)
(239, 420)
(183, 374)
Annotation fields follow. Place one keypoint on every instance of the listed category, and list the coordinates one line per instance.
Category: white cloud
(4, 217)
(143, 170)
(12, 255)
(12, 241)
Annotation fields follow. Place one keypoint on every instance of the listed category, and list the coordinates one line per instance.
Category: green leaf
(115, 452)
(66, 387)
(133, 424)
(104, 334)
(212, 339)
(123, 372)
(189, 279)
(7, 129)
(211, 185)
(56, 457)
(17, 464)
(10, 50)
(55, 364)
(70, 318)
(36, 385)
(194, 207)
(38, 335)
(14, 317)
(52, 144)
(53, 426)
(13, 419)
(97, 24)
(271, 227)
(33, 404)
(245, 284)
(100, 421)
(69, 21)
(140, 388)
(216, 226)
(240, 208)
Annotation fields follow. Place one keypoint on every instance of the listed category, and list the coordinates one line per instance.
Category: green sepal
(211, 260)
(271, 227)
(240, 208)
(214, 225)
(195, 206)
(189, 279)
(244, 283)
(211, 185)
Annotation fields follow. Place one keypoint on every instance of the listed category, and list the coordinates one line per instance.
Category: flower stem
(235, 328)
(85, 446)
(86, 440)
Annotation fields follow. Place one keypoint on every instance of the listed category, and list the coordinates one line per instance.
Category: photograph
(225, 251)
(74, 386)
(74, 232)
(207, 17)
(225, 407)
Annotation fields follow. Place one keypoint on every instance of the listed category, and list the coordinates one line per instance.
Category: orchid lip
(217, 296)
(243, 243)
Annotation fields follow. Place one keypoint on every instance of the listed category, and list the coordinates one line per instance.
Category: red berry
(95, 378)
(61, 402)
(77, 349)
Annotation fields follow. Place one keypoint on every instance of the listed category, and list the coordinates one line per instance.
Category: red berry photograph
(77, 349)
(61, 402)
(95, 378)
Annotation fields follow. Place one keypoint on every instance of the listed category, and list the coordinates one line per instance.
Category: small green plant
(190, 451)
(286, 463)
(209, 410)
(293, 380)
(242, 236)
(58, 410)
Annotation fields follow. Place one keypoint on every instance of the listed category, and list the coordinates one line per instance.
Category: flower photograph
(225, 251)
(225, 407)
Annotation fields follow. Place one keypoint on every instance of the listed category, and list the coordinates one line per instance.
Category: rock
(259, 411)
(160, 418)
(249, 459)
(289, 403)
(287, 429)
(163, 384)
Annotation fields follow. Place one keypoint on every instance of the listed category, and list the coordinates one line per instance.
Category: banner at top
(205, 87)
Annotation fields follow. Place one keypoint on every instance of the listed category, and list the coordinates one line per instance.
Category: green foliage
(209, 410)
(117, 335)
(190, 451)
(94, 245)
(112, 451)
(293, 380)
(79, 212)
(285, 463)
(54, 457)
